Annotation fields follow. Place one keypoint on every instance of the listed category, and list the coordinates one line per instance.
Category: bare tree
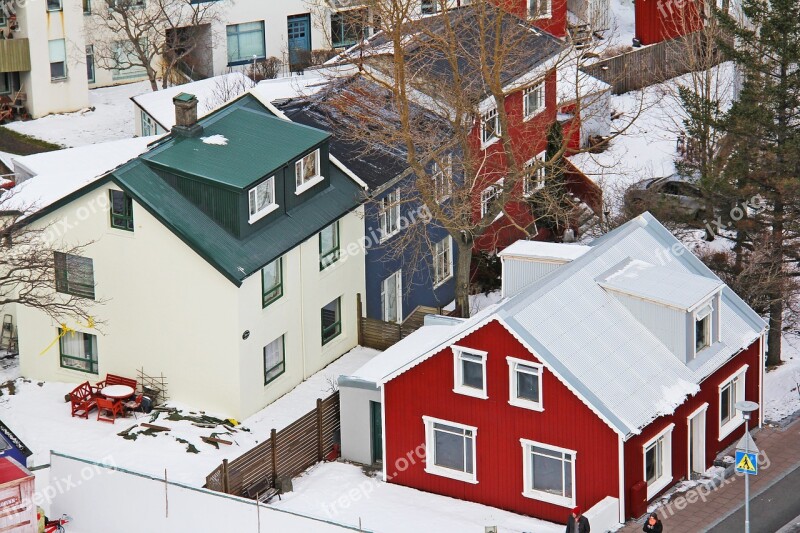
(158, 36)
(226, 88)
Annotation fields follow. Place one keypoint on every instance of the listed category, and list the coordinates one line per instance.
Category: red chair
(114, 408)
(134, 405)
(82, 400)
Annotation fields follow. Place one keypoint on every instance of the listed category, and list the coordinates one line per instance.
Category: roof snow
(211, 93)
(61, 172)
(306, 84)
(545, 250)
(216, 140)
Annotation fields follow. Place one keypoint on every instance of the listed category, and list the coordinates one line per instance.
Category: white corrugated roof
(545, 250)
(591, 342)
(660, 284)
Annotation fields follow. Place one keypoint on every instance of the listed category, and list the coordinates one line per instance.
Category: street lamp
(746, 407)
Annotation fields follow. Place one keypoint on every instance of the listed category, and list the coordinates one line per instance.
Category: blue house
(402, 271)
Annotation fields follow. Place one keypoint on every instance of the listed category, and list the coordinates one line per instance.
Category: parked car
(672, 197)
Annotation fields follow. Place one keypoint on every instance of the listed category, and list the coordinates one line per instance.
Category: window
(5, 83)
(125, 4)
(74, 275)
(87, 7)
(490, 126)
(450, 449)
(488, 196)
(149, 125)
(331, 320)
(127, 65)
(306, 170)
(441, 178)
(271, 282)
(329, 246)
(525, 384)
(90, 63)
(539, 9)
(78, 351)
(54, 5)
(58, 59)
(731, 391)
(274, 360)
(470, 372)
(390, 214)
(262, 199)
(658, 461)
(348, 27)
(429, 7)
(121, 210)
(245, 41)
(3, 19)
(548, 473)
(442, 261)
(533, 100)
(391, 298)
(536, 172)
(702, 327)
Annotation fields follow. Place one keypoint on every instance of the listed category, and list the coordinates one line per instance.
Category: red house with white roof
(606, 374)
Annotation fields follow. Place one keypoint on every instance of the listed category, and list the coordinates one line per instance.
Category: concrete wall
(356, 426)
(104, 498)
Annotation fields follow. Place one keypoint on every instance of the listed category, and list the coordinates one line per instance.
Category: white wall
(356, 424)
(604, 516)
(100, 498)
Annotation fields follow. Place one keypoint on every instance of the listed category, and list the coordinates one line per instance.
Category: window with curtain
(329, 246)
(78, 351)
(58, 59)
(121, 210)
(274, 360)
(74, 275)
(245, 41)
(272, 282)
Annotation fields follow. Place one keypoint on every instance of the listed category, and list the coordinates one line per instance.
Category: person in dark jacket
(653, 524)
(577, 523)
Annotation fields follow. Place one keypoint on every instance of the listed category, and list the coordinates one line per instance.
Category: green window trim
(91, 360)
(273, 293)
(122, 219)
(334, 329)
(329, 257)
(282, 364)
(78, 282)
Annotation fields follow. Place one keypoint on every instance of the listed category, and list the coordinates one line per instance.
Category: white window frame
(252, 194)
(527, 474)
(545, 14)
(301, 184)
(527, 112)
(535, 180)
(389, 216)
(458, 375)
(488, 195)
(737, 419)
(666, 461)
(430, 457)
(445, 246)
(398, 281)
(513, 399)
(703, 313)
(442, 186)
(64, 61)
(485, 116)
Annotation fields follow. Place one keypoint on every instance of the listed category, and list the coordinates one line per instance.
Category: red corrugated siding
(659, 20)
(555, 25)
(709, 393)
(427, 389)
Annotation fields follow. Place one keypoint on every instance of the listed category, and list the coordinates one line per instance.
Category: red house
(661, 20)
(606, 374)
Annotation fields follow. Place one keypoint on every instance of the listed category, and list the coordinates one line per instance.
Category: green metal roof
(238, 258)
(238, 146)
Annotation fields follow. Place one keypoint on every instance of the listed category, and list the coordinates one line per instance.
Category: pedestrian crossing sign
(746, 462)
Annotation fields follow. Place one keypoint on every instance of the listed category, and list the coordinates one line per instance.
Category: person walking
(577, 523)
(653, 524)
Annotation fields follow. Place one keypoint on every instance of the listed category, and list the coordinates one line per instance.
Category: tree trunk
(775, 331)
(776, 305)
(462, 276)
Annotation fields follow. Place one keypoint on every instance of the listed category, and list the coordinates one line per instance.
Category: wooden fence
(649, 65)
(377, 334)
(287, 452)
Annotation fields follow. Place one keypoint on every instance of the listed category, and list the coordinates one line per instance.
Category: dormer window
(702, 328)
(262, 199)
(307, 172)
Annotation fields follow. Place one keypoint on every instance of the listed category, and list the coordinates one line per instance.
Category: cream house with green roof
(219, 258)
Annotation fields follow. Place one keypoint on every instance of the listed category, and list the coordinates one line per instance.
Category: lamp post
(746, 407)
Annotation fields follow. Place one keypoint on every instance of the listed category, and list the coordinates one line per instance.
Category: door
(391, 295)
(376, 431)
(697, 442)
(299, 41)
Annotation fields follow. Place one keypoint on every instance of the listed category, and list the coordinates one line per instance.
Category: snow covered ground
(344, 493)
(38, 414)
(782, 385)
(111, 119)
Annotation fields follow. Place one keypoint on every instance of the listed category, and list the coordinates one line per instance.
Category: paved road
(770, 511)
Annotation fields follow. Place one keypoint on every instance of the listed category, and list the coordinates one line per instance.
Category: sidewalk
(782, 448)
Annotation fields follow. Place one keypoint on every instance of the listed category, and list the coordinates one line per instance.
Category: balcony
(15, 55)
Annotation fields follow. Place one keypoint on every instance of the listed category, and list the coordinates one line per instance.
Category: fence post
(274, 438)
(359, 310)
(225, 482)
(319, 429)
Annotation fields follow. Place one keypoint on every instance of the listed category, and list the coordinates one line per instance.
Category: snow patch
(782, 385)
(216, 140)
(674, 395)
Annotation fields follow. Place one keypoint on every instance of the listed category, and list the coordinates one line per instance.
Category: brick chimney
(186, 116)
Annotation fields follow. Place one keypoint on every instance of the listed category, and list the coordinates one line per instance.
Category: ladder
(8, 338)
